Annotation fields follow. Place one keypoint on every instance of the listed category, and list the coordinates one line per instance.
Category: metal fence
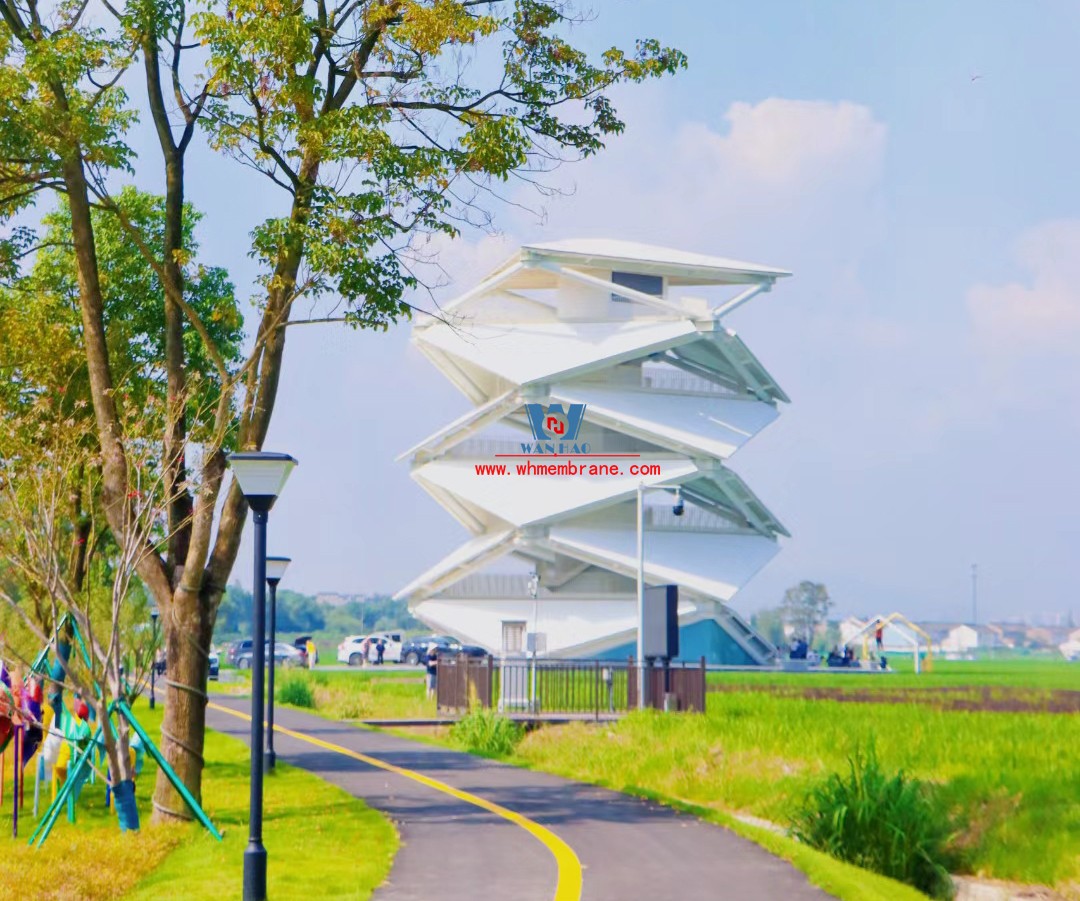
(463, 682)
(523, 685)
(681, 686)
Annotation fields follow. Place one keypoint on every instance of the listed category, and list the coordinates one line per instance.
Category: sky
(913, 163)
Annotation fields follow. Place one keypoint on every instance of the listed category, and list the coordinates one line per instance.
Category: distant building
(1070, 647)
(334, 600)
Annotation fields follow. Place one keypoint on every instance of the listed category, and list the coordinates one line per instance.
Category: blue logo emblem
(555, 423)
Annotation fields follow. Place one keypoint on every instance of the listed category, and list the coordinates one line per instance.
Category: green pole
(170, 773)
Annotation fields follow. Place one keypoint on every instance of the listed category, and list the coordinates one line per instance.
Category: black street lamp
(261, 476)
(153, 652)
(275, 571)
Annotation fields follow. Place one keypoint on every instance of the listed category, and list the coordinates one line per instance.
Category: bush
(888, 823)
(295, 690)
(486, 733)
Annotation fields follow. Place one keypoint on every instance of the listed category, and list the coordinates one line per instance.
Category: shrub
(885, 822)
(486, 733)
(295, 690)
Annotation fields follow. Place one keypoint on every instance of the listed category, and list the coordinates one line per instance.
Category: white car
(350, 650)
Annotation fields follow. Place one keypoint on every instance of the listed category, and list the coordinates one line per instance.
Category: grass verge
(306, 824)
(1012, 780)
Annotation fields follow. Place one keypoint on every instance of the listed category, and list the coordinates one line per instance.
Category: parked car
(236, 648)
(414, 650)
(350, 650)
(213, 664)
(284, 655)
(300, 643)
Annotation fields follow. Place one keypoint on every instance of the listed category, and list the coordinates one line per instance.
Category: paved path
(454, 850)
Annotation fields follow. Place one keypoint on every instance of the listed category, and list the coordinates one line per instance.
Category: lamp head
(679, 508)
(154, 614)
(534, 584)
(261, 475)
(275, 568)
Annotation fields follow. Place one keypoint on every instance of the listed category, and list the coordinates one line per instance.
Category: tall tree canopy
(805, 607)
(376, 119)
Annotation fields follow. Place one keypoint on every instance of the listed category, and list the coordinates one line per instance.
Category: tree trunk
(179, 500)
(121, 772)
(188, 631)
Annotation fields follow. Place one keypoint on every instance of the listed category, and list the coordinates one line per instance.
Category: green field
(306, 823)
(1011, 779)
(1014, 672)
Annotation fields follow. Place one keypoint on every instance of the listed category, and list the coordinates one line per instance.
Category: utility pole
(974, 594)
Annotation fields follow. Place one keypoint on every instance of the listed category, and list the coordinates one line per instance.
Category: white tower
(636, 383)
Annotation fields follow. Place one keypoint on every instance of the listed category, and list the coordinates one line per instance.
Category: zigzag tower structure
(592, 371)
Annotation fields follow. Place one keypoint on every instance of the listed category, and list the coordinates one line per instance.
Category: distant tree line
(298, 612)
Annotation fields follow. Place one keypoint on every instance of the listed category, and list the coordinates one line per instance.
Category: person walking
(432, 661)
(312, 653)
(365, 651)
(380, 650)
(879, 636)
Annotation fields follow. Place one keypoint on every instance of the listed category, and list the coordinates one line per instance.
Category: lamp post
(275, 571)
(534, 593)
(261, 476)
(677, 508)
(153, 653)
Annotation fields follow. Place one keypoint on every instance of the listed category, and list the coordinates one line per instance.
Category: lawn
(91, 860)
(367, 693)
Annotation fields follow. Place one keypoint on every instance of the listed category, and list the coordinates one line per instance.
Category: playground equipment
(902, 626)
(71, 743)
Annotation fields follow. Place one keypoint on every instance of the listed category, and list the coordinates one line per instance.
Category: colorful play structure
(902, 627)
(67, 741)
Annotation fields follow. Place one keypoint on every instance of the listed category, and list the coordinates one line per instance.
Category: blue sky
(928, 338)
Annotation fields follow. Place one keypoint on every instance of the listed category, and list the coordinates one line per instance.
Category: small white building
(592, 372)
(1070, 648)
(960, 639)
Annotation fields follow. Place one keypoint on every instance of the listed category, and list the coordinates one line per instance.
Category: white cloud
(1042, 314)
(787, 182)
(789, 146)
(458, 263)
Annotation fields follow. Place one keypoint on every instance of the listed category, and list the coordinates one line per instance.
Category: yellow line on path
(568, 887)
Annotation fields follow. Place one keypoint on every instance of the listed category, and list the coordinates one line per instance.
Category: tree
(770, 623)
(805, 606)
(378, 120)
(61, 569)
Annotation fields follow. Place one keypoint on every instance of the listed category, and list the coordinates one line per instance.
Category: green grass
(486, 733)
(306, 825)
(352, 695)
(1013, 779)
(1016, 672)
(307, 822)
(60, 869)
(881, 820)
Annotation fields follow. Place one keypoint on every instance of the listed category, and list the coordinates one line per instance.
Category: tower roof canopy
(681, 267)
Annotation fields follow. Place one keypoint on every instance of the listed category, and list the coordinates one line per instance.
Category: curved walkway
(473, 828)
